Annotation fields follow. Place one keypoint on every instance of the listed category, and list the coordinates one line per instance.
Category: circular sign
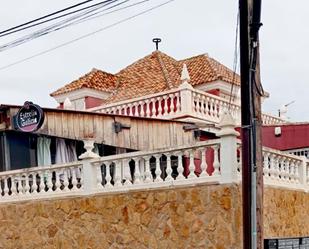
(29, 118)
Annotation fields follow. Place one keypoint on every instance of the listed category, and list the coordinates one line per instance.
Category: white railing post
(89, 171)
(186, 97)
(303, 172)
(228, 149)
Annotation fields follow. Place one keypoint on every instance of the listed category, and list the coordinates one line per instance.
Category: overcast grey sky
(187, 28)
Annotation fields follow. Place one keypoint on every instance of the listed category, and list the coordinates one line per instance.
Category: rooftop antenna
(156, 41)
(284, 109)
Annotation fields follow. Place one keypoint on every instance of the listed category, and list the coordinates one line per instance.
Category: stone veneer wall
(286, 213)
(207, 216)
(192, 217)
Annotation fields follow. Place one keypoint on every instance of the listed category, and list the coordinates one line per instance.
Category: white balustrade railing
(161, 105)
(186, 165)
(281, 169)
(180, 103)
(194, 164)
(31, 183)
(213, 162)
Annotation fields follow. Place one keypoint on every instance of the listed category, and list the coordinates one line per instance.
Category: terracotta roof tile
(151, 74)
(204, 69)
(95, 79)
(148, 76)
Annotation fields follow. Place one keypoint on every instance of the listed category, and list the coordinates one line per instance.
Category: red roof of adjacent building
(292, 136)
(154, 73)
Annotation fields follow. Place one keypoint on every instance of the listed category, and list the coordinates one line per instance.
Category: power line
(235, 62)
(86, 35)
(21, 27)
(56, 26)
(43, 17)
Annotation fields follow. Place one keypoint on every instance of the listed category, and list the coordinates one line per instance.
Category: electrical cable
(54, 27)
(50, 29)
(91, 17)
(235, 61)
(52, 19)
(86, 35)
(43, 17)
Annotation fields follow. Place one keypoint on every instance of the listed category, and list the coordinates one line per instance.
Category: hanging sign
(29, 118)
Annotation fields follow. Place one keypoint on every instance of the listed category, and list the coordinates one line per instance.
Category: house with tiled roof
(153, 74)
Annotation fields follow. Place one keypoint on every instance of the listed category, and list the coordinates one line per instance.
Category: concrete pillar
(228, 148)
(89, 171)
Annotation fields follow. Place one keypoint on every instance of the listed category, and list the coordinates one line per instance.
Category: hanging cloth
(71, 147)
(72, 157)
(62, 155)
(43, 151)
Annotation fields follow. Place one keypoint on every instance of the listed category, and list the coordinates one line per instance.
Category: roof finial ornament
(156, 41)
(185, 78)
(185, 74)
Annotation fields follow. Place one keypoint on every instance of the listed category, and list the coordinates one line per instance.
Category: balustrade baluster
(65, 184)
(168, 168)
(207, 106)
(59, 177)
(202, 99)
(191, 165)
(171, 97)
(266, 165)
(276, 168)
(203, 162)
(5, 186)
(197, 102)
(282, 169)
(20, 185)
(180, 168)
(288, 173)
(147, 108)
(165, 107)
(135, 104)
(216, 160)
(41, 185)
(159, 106)
(13, 185)
(142, 110)
(153, 107)
(137, 174)
(27, 186)
(158, 169)
(216, 108)
(126, 172)
(124, 110)
(130, 111)
(75, 177)
(272, 170)
(108, 177)
(211, 108)
(49, 182)
(292, 171)
(117, 174)
(148, 177)
(34, 186)
(99, 177)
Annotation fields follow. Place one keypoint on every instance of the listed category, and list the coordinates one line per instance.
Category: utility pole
(251, 92)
